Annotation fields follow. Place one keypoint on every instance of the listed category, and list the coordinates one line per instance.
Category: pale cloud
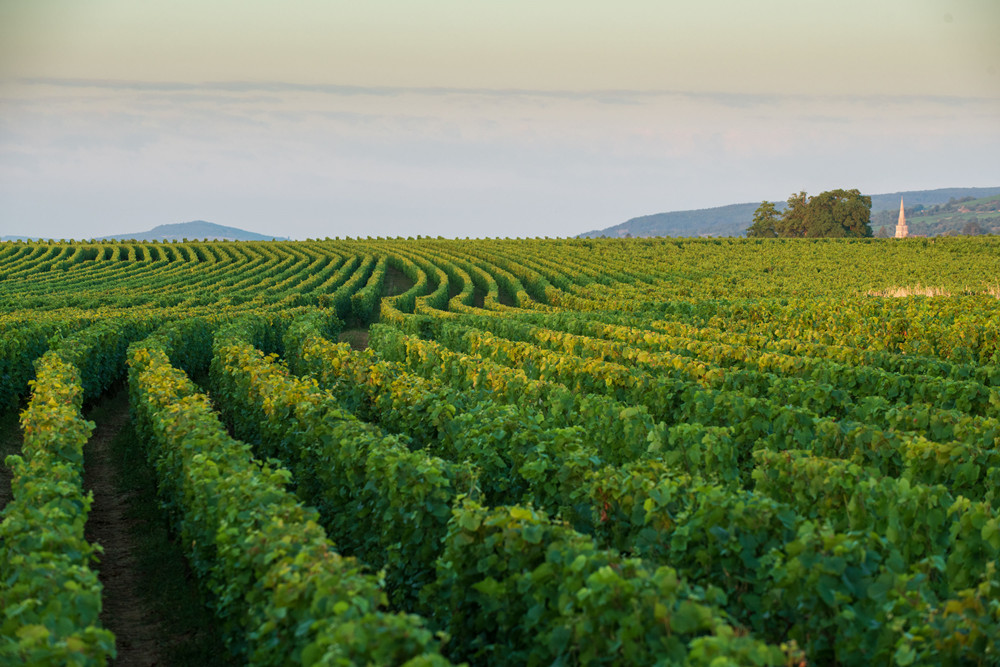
(89, 157)
(473, 118)
(217, 90)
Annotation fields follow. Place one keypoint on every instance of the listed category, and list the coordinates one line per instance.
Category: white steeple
(901, 229)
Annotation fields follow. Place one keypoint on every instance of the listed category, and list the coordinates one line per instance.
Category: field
(525, 452)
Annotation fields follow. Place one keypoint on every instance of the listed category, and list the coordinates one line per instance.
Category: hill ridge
(194, 230)
(733, 219)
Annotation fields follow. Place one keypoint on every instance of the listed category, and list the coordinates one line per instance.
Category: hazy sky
(475, 118)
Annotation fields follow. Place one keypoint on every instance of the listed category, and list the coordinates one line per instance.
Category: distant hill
(729, 220)
(928, 197)
(195, 230)
(959, 215)
(734, 219)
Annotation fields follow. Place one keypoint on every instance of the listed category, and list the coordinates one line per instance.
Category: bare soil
(10, 443)
(151, 601)
(478, 298)
(396, 282)
(357, 338)
(125, 611)
(504, 297)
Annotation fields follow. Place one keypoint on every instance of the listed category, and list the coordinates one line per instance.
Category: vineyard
(530, 452)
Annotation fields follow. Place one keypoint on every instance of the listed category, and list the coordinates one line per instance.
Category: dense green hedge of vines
(552, 451)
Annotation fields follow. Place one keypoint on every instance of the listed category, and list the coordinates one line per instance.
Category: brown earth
(357, 338)
(10, 443)
(396, 282)
(505, 298)
(126, 612)
(152, 601)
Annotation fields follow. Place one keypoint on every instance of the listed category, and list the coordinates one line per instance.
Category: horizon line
(242, 86)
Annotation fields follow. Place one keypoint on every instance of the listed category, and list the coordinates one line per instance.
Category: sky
(471, 118)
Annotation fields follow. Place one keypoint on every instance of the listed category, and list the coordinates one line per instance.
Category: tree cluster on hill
(834, 213)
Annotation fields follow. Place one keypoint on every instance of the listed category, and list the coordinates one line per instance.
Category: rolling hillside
(964, 215)
(194, 230)
(734, 219)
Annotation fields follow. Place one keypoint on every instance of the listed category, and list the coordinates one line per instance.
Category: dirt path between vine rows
(126, 611)
(10, 443)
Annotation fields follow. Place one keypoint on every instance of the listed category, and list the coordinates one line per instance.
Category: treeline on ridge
(831, 214)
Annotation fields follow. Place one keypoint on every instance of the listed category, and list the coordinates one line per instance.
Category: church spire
(901, 229)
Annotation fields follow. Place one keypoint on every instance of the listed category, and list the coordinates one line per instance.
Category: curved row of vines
(549, 452)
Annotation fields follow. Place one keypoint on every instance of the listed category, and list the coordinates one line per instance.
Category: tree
(973, 228)
(835, 213)
(793, 220)
(765, 220)
(838, 213)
